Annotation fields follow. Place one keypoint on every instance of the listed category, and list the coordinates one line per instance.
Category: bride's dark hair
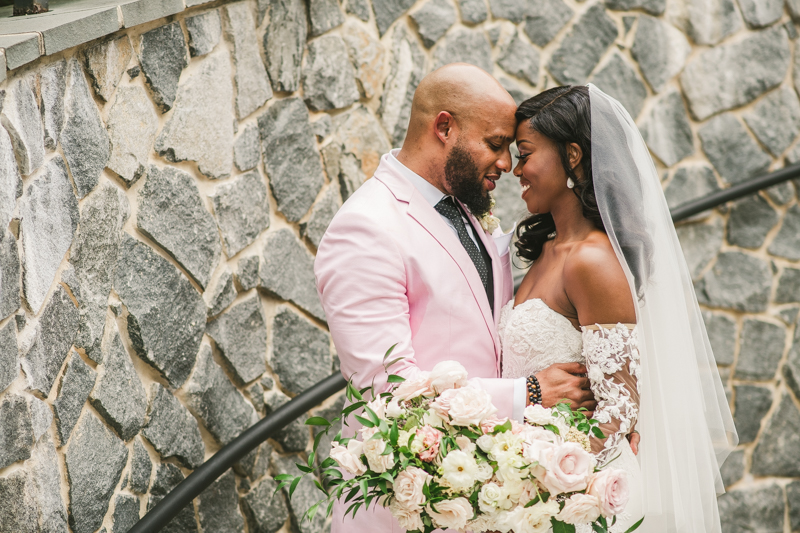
(563, 115)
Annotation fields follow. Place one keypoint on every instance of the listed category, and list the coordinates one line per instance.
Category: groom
(406, 261)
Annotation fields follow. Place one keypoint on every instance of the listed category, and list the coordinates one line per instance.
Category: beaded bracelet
(534, 390)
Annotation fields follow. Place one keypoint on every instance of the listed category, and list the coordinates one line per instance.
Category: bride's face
(539, 170)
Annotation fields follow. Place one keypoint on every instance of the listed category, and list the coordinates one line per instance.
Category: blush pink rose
(611, 488)
(414, 387)
(470, 406)
(580, 509)
(568, 468)
(430, 438)
(441, 405)
(349, 458)
(488, 425)
(448, 375)
(408, 486)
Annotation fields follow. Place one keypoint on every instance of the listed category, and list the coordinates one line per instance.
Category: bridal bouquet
(434, 452)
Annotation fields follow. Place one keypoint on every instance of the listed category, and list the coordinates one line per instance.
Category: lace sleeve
(612, 359)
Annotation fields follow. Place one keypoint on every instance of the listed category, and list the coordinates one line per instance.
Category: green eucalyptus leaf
(635, 526)
(317, 421)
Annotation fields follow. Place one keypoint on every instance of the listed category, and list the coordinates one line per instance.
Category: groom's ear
(575, 155)
(443, 126)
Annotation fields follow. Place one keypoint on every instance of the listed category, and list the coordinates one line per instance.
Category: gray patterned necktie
(448, 208)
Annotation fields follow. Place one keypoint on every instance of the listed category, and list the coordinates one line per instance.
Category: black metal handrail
(220, 462)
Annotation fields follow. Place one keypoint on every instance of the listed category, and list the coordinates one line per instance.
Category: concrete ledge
(19, 49)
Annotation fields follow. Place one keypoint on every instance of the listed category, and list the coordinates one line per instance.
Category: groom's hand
(566, 381)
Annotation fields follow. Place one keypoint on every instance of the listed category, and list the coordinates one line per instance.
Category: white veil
(684, 419)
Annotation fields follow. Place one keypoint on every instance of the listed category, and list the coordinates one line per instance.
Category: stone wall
(163, 189)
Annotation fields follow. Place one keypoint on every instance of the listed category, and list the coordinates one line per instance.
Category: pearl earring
(570, 183)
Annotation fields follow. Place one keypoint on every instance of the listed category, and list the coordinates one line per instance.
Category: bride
(608, 287)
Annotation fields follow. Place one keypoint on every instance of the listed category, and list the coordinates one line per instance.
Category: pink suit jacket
(389, 270)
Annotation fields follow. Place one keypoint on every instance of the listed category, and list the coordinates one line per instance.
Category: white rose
(611, 488)
(568, 468)
(441, 405)
(538, 415)
(580, 509)
(451, 514)
(533, 519)
(448, 375)
(532, 451)
(528, 491)
(414, 387)
(485, 472)
(460, 470)
(373, 450)
(533, 433)
(409, 518)
(377, 406)
(348, 460)
(470, 406)
(393, 409)
(489, 497)
(485, 442)
(409, 484)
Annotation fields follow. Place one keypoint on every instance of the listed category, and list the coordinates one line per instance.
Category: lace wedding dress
(533, 337)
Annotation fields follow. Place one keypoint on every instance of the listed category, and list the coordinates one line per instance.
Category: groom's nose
(504, 163)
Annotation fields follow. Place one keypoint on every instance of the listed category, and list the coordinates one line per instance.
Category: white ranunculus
(533, 519)
(568, 468)
(414, 387)
(610, 486)
(451, 514)
(470, 406)
(409, 518)
(409, 484)
(580, 509)
(373, 450)
(506, 442)
(490, 496)
(349, 460)
(460, 470)
(448, 375)
(511, 467)
(393, 408)
(485, 443)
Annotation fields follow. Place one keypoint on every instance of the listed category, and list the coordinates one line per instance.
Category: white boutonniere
(489, 222)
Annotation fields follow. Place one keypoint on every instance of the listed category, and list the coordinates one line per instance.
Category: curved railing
(220, 462)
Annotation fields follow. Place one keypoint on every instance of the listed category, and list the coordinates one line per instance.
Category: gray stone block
(21, 118)
(204, 32)
(322, 127)
(171, 212)
(141, 11)
(55, 333)
(721, 331)
(251, 79)
(162, 55)
(295, 436)
(141, 468)
(734, 154)
(241, 207)
(618, 79)
(168, 476)
(301, 354)
(247, 272)
(732, 469)
(240, 335)
(387, 11)
(10, 274)
(119, 395)
(403, 79)
(287, 271)
(752, 509)
(284, 42)
(105, 63)
(265, 510)
(789, 314)
(734, 74)
(788, 287)
(95, 459)
(357, 145)
(512, 10)
(94, 255)
(752, 403)
(761, 13)
(218, 506)
(165, 314)
(201, 127)
(321, 216)
(791, 368)
(793, 499)
(583, 46)
(221, 295)
(53, 83)
(43, 469)
(700, 243)
(473, 11)
(690, 182)
(16, 437)
(132, 111)
(305, 495)
(760, 350)
(126, 513)
(84, 139)
(775, 120)
(324, 15)
(654, 7)
(660, 49)
(706, 22)
(737, 281)
(328, 76)
(545, 19)
(10, 181)
(464, 45)
(433, 19)
(76, 384)
(172, 430)
(9, 358)
(787, 242)
(359, 8)
(750, 220)
(779, 446)
(291, 159)
(520, 59)
(21, 517)
(216, 402)
(247, 147)
(781, 194)
(256, 464)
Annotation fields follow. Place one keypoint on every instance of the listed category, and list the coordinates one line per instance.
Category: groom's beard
(465, 181)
